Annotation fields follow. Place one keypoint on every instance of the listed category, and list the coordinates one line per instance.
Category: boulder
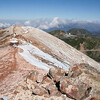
(67, 88)
(53, 91)
(35, 76)
(72, 91)
(74, 71)
(84, 90)
(76, 85)
(47, 80)
(49, 85)
(40, 91)
(56, 73)
(64, 81)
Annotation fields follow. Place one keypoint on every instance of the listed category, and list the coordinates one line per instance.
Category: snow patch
(32, 60)
(13, 40)
(30, 50)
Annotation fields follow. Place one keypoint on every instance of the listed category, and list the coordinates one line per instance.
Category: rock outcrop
(72, 85)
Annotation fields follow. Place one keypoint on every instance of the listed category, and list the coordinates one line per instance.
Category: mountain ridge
(26, 49)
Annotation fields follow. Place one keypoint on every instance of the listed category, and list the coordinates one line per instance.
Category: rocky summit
(59, 85)
(35, 65)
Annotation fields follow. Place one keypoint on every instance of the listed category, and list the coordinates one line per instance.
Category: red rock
(46, 80)
(15, 92)
(40, 91)
(74, 71)
(72, 91)
(35, 76)
(69, 89)
(53, 90)
(56, 73)
(65, 81)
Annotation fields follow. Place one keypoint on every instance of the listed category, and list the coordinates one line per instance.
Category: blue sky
(65, 9)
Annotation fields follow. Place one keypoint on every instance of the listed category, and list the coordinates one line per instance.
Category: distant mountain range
(55, 24)
(72, 32)
(90, 27)
(97, 32)
(93, 28)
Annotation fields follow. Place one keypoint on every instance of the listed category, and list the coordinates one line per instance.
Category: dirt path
(8, 63)
(82, 49)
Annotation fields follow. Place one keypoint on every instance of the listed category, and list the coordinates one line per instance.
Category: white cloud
(90, 21)
(4, 25)
(27, 22)
(55, 23)
(43, 27)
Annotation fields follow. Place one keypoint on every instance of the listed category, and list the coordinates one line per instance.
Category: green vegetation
(79, 32)
(58, 33)
(74, 42)
(81, 36)
(94, 55)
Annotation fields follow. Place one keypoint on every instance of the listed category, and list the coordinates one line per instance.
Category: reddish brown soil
(13, 69)
(7, 63)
